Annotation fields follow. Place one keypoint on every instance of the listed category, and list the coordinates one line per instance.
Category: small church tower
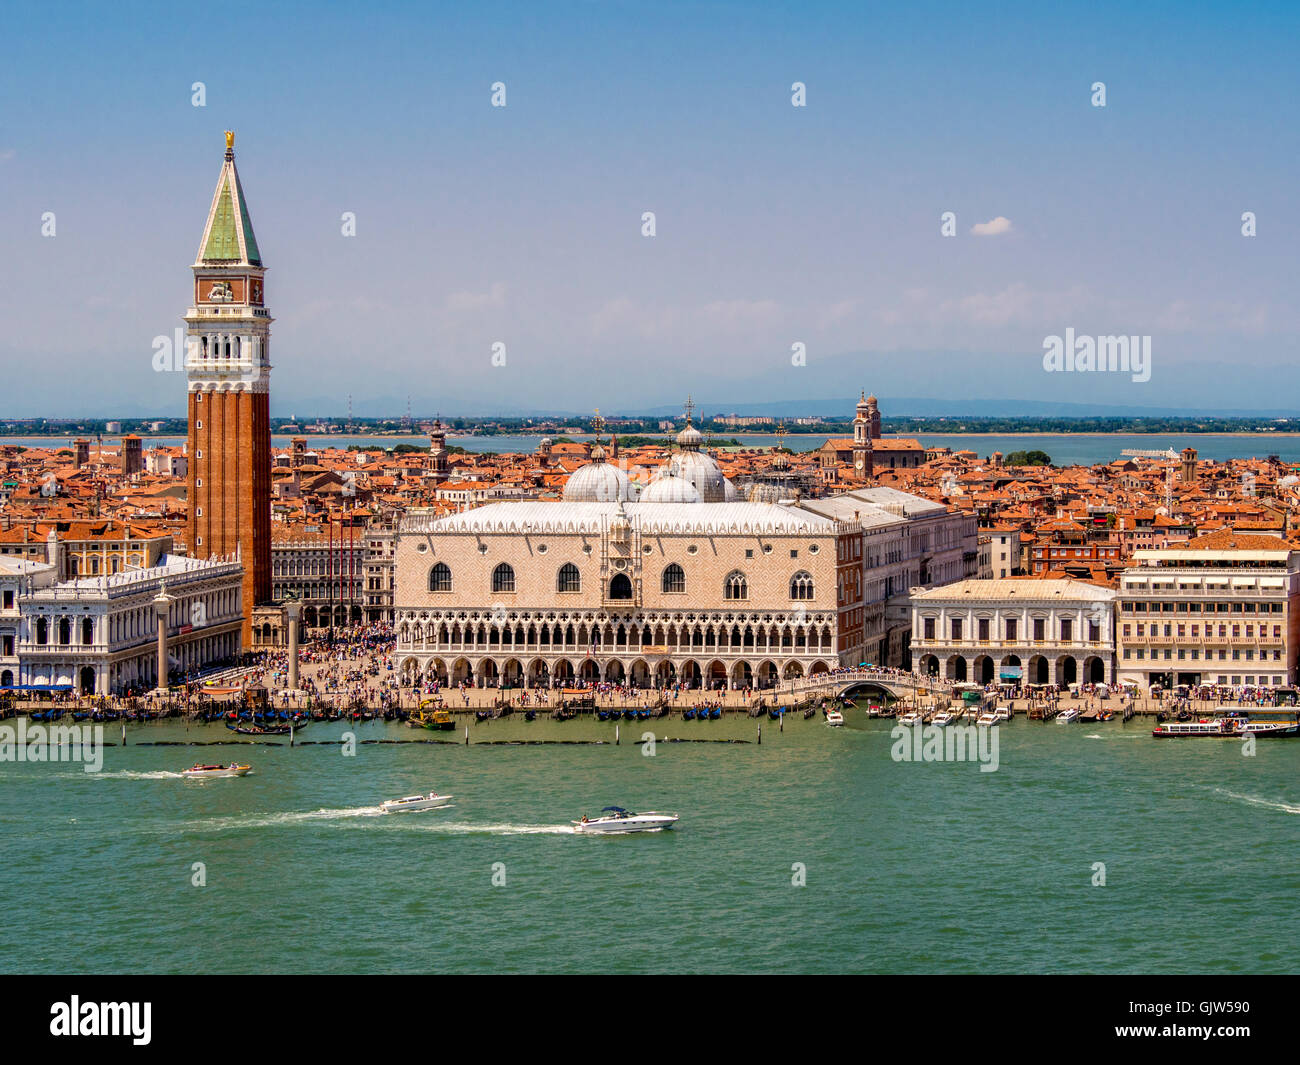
(862, 458)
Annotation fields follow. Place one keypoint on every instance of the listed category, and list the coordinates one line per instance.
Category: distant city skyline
(775, 225)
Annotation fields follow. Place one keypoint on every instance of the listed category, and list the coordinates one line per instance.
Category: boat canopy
(613, 809)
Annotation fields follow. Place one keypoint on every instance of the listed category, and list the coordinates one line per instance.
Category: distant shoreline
(507, 436)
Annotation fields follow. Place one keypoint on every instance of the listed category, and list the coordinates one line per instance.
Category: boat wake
(1255, 800)
(455, 828)
(136, 774)
(276, 820)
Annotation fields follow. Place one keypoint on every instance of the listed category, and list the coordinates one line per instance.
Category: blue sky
(775, 224)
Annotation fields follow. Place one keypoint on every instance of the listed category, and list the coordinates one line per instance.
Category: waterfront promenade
(354, 676)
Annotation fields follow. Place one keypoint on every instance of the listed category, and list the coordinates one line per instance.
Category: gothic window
(440, 578)
(674, 579)
(503, 578)
(735, 587)
(801, 586)
(569, 580)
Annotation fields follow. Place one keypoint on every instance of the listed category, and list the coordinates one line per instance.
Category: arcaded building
(682, 582)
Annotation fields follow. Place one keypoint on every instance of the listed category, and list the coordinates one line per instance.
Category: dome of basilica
(669, 488)
(599, 482)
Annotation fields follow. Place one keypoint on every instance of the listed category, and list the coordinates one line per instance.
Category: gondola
(482, 715)
(603, 715)
(715, 713)
(688, 715)
(259, 730)
(530, 715)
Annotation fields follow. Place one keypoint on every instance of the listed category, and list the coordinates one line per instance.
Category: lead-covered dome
(599, 482)
(669, 488)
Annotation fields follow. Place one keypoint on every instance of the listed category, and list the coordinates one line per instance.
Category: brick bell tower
(227, 359)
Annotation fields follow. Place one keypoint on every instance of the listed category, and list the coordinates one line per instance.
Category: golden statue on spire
(230, 140)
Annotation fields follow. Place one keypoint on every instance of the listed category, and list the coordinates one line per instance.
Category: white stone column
(162, 605)
(293, 610)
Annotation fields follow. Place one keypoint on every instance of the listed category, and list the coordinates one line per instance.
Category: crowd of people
(357, 667)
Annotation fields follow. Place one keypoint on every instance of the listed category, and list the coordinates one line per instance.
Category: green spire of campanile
(228, 236)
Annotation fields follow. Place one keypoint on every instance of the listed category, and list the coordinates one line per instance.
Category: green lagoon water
(925, 867)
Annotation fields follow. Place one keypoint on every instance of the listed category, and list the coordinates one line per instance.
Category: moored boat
(1066, 716)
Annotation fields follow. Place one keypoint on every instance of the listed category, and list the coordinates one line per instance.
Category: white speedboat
(1066, 716)
(989, 717)
(1004, 713)
(834, 717)
(615, 819)
(199, 771)
(912, 717)
(943, 717)
(412, 803)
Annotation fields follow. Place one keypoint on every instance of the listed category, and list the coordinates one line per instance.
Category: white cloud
(995, 228)
(478, 301)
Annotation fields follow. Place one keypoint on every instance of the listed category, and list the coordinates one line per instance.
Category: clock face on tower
(860, 464)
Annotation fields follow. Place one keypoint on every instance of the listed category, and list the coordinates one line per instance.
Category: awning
(1010, 673)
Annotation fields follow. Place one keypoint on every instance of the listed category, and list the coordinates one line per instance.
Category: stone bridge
(896, 685)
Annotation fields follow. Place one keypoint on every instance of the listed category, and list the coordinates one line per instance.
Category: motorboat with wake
(834, 717)
(415, 803)
(614, 819)
(199, 771)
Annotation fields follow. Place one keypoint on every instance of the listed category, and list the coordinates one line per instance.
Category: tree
(1028, 458)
